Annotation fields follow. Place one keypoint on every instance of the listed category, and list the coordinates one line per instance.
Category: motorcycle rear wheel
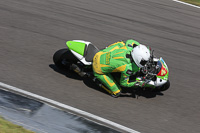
(63, 58)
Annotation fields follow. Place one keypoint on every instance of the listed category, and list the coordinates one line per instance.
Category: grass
(194, 2)
(8, 127)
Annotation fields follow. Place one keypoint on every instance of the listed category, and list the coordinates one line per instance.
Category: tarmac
(31, 31)
(44, 118)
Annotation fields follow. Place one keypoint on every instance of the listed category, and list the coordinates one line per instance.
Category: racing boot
(97, 82)
(116, 95)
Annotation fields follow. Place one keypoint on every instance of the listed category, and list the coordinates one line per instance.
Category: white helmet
(141, 55)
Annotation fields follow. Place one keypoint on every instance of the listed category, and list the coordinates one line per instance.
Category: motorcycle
(78, 56)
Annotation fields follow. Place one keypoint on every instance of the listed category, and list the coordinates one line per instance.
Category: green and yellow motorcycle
(78, 57)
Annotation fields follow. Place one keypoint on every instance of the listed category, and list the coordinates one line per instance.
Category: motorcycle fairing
(76, 46)
(164, 72)
(161, 79)
(79, 48)
(162, 76)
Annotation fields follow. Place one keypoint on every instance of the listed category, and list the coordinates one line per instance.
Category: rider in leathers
(124, 57)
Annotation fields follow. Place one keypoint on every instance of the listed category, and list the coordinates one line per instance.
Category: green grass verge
(8, 127)
(194, 2)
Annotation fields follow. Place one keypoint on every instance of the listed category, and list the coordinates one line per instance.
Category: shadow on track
(127, 92)
(66, 72)
(70, 74)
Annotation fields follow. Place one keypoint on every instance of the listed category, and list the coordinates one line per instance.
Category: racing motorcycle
(78, 56)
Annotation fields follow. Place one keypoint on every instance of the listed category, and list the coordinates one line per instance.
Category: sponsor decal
(163, 72)
(108, 58)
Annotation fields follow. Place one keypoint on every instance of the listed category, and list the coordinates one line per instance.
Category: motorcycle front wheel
(164, 87)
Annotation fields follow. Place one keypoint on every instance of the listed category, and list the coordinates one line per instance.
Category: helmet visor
(143, 62)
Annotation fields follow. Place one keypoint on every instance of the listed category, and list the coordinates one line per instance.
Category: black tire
(59, 56)
(165, 86)
(162, 88)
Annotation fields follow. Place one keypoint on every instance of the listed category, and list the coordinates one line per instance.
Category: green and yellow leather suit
(115, 58)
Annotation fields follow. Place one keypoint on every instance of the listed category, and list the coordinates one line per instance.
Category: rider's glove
(140, 83)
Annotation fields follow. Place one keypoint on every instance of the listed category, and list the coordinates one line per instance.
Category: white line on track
(78, 111)
(186, 3)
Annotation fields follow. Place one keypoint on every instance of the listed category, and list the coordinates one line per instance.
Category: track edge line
(67, 107)
(186, 3)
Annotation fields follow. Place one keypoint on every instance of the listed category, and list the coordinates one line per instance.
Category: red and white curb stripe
(72, 109)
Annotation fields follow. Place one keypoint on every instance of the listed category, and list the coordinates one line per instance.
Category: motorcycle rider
(124, 57)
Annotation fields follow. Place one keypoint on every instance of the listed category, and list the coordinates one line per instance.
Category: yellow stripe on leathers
(106, 89)
(109, 91)
(111, 84)
(120, 69)
(102, 65)
(113, 44)
(119, 53)
(124, 47)
(117, 43)
(117, 47)
(132, 43)
(118, 57)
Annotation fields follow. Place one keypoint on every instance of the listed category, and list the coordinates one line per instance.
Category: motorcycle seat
(90, 52)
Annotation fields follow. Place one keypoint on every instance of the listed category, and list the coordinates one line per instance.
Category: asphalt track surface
(31, 31)
(44, 118)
